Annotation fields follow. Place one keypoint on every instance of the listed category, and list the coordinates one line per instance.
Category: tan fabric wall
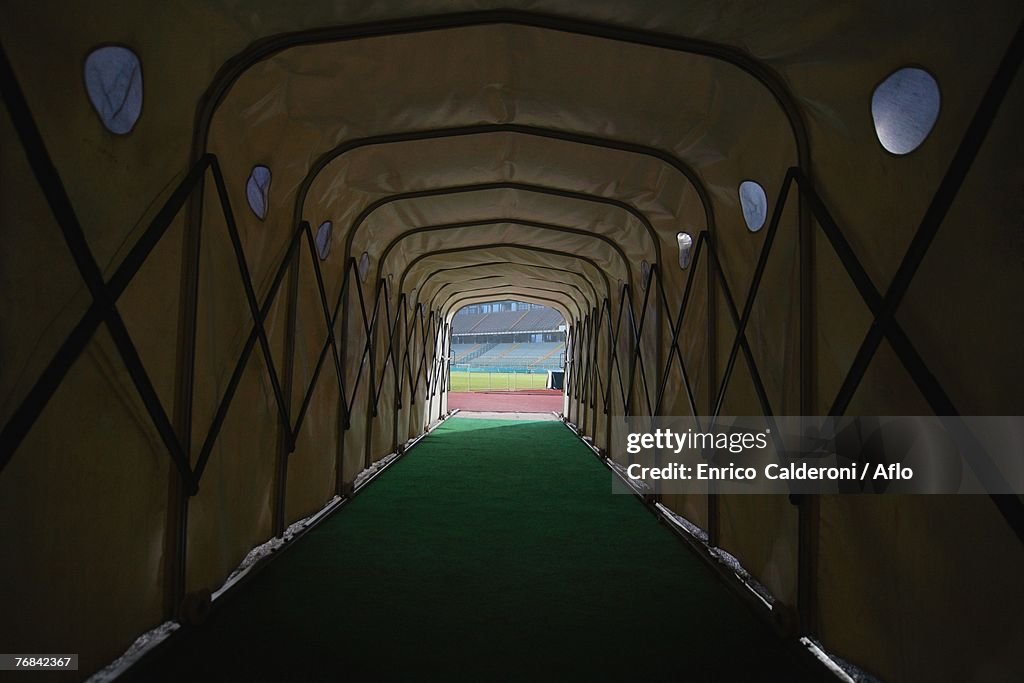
(84, 535)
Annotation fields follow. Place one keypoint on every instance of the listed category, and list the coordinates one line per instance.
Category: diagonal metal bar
(598, 390)
(50, 182)
(581, 371)
(933, 217)
(412, 348)
(578, 358)
(590, 389)
(370, 351)
(38, 396)
(307, 396)
(748, 307)
(428, 371)
(1011, 507)
(584, 375)
(444, 378)
(613, 351)
(401, 323)
(422, 370)
(392, 330)
(367, 325)
(314, 257)
(637, 355)
(446, 365)
(250, 295)
(677, 327)
(409, 335)
(408, 360)
(741, 339)
(440, 381)
(250, 343)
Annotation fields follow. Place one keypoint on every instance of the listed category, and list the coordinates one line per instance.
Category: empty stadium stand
(539, 320)
(518, 339)
(512, 356)
(534, 320)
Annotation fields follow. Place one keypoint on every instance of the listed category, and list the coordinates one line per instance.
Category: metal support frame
(103, 311)
(585, 378)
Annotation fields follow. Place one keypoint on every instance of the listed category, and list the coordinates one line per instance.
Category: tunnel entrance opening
(507, 356)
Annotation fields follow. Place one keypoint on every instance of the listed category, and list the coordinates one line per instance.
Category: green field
(494, 551)
(497, 381)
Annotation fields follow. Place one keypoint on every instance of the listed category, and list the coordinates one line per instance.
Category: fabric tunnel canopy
(236, 235)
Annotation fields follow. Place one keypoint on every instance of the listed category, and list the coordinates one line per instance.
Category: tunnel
(236, 236)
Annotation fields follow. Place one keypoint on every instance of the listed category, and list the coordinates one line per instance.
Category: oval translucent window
(904, 107)
(685, 242)
(645, 273)
(411, 301)
(323, 240)
(754, 203)
(364, 266)
(113, 82)
(257, 191)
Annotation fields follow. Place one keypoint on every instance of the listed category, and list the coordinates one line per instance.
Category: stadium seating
(539, 320)
(530, 355)
(536, 356)
(519, 356)
(494, 354)
(533, 320)
(461, 351)
(503, 321)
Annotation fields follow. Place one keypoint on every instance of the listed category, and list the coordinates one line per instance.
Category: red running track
(527, 401)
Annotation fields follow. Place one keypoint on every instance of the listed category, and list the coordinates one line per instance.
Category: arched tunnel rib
(271, 45)
(453, 298)
(366, 213)
(583, 279)
(626, 265)
(482, 129)
(504, 277)
(526, 247)
(530, 279)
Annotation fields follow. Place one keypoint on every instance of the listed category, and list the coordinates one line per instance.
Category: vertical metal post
(343, 416)
(285, 438)
(712, 363)
(606, 397)
(371, 388)
(594, 393)
(176, 535)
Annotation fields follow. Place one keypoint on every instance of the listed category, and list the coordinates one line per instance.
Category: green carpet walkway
(495, 550)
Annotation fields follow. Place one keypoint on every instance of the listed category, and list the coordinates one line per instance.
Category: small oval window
(905, 107)
(645, 273)
(685, 242)
(412, 299)
(323, 240)
(364, 266)
(754, 203)
(113, 82)
(257, 191)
